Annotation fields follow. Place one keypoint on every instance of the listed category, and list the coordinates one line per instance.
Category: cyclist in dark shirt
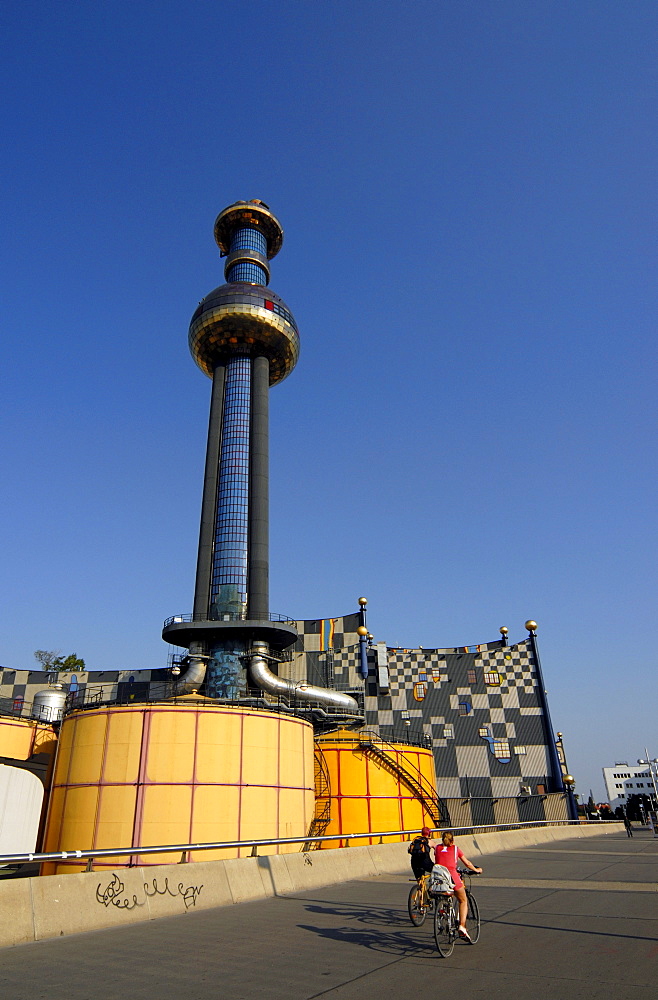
(421, 850)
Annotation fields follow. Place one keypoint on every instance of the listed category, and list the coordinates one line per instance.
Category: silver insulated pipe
(194, 676)
(262, 677)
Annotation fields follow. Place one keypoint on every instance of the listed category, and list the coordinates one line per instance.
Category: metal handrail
(111, 852)
(231, 616)
(373, 737)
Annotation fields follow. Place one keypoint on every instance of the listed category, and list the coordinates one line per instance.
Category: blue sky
(469, 200)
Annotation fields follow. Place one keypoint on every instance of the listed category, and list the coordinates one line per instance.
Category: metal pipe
(258, 566)
(556, 770)
(209, 501)
(194, 676)
(262, 677)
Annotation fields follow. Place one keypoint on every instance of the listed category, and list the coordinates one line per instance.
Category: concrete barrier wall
(54, 905)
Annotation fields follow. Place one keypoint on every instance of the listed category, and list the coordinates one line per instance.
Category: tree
(590, 808)
(52, 659)
(47, 657)
(637, 807)
(70, 662)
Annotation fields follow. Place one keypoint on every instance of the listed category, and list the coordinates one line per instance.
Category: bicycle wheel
(417, 911)
(445, 925)
(472, 918)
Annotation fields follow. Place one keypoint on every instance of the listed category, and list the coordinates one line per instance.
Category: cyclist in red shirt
(448, 854)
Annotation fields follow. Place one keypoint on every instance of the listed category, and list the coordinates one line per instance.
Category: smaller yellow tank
(373, 785)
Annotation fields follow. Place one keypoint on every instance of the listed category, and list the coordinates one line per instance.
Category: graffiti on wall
(114, 893)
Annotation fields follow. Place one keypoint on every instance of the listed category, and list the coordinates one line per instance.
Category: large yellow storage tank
(24, 738)
(165, 773)
(374, 785)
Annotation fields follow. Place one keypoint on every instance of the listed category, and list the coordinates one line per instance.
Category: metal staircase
(322, 816)
(386, 754)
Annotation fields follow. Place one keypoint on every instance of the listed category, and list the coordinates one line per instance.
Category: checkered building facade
(476, 706)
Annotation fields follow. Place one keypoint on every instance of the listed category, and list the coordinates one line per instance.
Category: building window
(420, 690)
(448, 733)
(492, 678)
(465, 708)
(519, 751)
(471, 677)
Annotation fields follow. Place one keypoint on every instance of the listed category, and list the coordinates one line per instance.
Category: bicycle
(446, 918)
(420, 902)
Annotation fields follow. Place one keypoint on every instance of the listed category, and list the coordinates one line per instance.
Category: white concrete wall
(54, 905)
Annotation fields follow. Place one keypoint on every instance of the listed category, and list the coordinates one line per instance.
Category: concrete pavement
(568, 919)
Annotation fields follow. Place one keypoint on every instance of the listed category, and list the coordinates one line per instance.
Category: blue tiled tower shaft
(235, 578)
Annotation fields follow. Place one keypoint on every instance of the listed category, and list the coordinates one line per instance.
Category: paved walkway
(562, 921)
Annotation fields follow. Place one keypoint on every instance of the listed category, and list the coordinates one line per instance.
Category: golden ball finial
(530, 625)
(569, 779)
(363, 601)
(503, 630)
(362, 630)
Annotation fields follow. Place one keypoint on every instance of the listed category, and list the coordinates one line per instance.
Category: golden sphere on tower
(530, 625)
(569, 779)
(503, 630)
(363, 601)
(245, 320)
(362, 630)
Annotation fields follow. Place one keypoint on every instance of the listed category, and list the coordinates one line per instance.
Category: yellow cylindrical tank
(23, 738)
(165, 773)
(373, 786)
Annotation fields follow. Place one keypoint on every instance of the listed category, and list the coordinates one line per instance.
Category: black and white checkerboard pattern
(478, 707)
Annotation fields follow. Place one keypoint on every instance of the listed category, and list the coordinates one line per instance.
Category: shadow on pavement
(401, 944)
(527, 925)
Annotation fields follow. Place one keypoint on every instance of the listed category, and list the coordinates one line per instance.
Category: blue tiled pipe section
(248, 239)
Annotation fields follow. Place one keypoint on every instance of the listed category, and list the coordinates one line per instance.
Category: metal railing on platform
(231, 616)
(185, 849)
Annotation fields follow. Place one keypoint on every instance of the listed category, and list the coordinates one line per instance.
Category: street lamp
(652, 762)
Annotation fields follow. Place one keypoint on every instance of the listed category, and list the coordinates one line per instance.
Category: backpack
(440, 880)
(419, 846)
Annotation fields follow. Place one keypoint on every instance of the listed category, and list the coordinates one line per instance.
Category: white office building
(624, 780)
